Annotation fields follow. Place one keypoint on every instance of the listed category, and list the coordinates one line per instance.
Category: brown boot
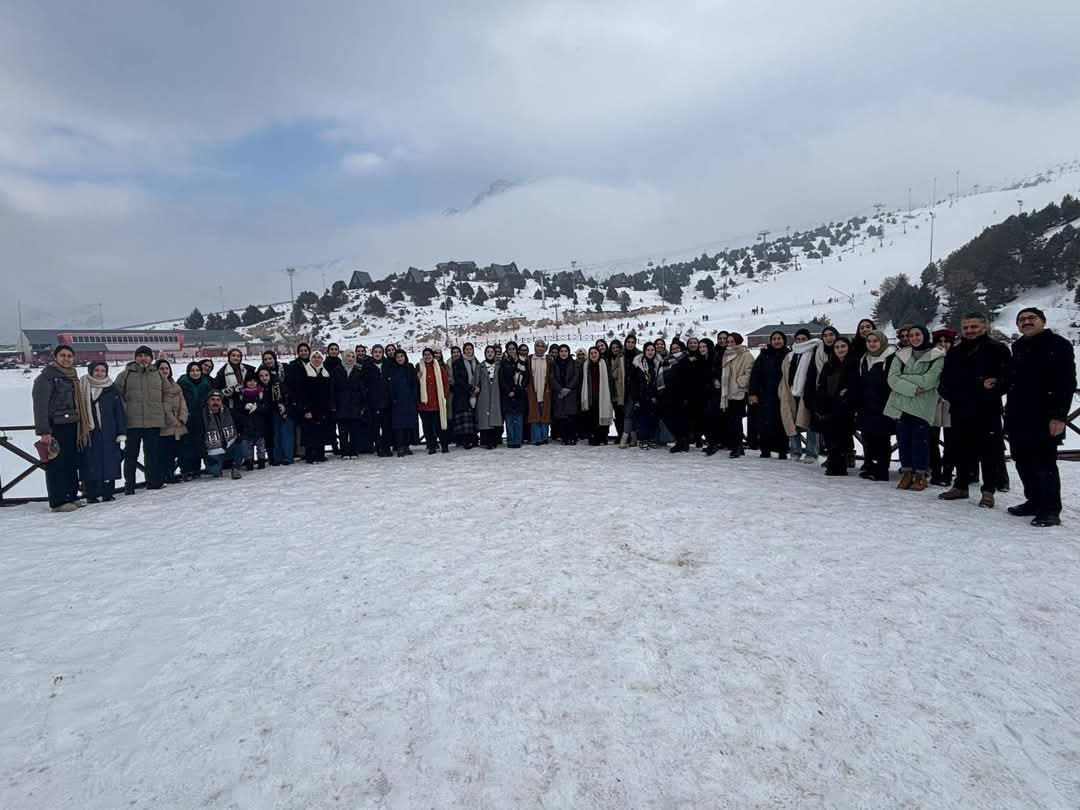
(954, 494)
(906, 479)
(919, 483)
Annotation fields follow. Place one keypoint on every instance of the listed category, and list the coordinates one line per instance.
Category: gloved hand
(250, 407)
(281, 410)
(120, 440)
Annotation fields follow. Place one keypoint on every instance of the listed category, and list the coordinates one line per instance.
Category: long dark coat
(1042, 382)
(100, 460)
(765, 385)
(513, 397)
(873, 393)
(195, 394)
(566, 374)
(460, 381)
(404, 391)
(643, 391)
(350, 399)
(377, 384)
(315, 395)
(967, 365)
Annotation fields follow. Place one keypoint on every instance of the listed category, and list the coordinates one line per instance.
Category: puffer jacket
(176, 411)
(735, 381)
(144, 392)
(906, 376)
(54, 400)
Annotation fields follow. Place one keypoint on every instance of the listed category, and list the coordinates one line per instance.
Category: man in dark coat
(973, 380)
(376, 371)
(1042, 382)
(765, 393)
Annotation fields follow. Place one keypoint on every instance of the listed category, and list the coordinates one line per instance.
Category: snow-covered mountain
(803, 284)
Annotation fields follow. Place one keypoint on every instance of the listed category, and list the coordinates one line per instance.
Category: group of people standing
(797, 402)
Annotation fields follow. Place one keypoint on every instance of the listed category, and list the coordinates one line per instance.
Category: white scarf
(490, 367)
(234, 378)
(802, 370)
(539, 366)
(439, 393)
(869, 361)
(316, 372)
(470, 369)
(91, 389)
(604, 406)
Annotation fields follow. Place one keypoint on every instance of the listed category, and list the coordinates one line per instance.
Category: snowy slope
(840, 286)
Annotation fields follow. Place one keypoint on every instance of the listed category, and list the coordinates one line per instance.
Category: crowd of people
(797, 402)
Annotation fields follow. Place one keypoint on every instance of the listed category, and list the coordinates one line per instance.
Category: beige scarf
(604, 406)
(80, 406)
(421, 375)
(618, 374)
(538, 366)
(91, 389)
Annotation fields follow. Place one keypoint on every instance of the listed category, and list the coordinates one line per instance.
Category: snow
(549, 627)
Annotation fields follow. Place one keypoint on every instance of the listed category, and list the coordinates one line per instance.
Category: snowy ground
(549, 627)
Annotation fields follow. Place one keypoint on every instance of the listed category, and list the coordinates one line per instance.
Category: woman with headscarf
(433, 383)
(734, 382)
(315, 398)
(176, 417)
(797, 388)
(941, 458)
(565, 382)
(230, 380)
(619, 369)
(99, 465)
(596, 407)
(764, 390)
(834, 405)
(673, 387)
(700, 380)
(195, 387)
(712, 419)
(281, 438)
(349, 402)
(875, 428)
(60, 415)
(858, 343)
(404, 392)
(489, 418)
(513, 382)
(645, 396)
(465, 371)
(913, 378)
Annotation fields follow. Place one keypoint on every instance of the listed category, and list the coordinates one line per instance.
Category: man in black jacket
(973, 380)
(377, 392)
(1041, 386)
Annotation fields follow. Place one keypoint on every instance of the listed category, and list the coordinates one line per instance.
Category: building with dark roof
(760, 336)
(120, 344)
(360, 280)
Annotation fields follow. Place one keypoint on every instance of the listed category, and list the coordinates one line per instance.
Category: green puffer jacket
(143, 391)
(906, 375)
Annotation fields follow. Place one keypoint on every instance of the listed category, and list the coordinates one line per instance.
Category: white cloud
(72, 199)
(362, 162)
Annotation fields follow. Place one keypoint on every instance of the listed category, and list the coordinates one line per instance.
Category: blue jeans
(538, 432)
(284, 439)
(800, 446)
(236, 454)
(913, 435)
(514, 424)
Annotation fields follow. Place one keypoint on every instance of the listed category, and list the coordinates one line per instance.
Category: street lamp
(933, 216)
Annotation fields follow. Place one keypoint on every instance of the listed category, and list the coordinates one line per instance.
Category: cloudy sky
(151, 152)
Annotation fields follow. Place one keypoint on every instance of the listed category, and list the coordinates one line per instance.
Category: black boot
(107, 489)
(262, 464)
(1026, 509)
(249, 465)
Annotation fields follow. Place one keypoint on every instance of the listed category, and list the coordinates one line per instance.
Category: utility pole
(100, 317)
(290, 272)
(958, 184)
(556, 305)
(26, 352)
(909, 200)
(221, 295)
(933, 197)
(1019, 208)
(933, 216)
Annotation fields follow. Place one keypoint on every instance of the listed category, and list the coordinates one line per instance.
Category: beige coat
(735, 377)
(538, 415)
(143, 391)
(176, 411)
(794, 415)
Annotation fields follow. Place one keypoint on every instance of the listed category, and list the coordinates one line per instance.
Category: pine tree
(299, 317)
(214, 322)
(307, 299)
(375, 306)
(232, 320)
(624, 301)
(195, 320)
(251, 315)
(396, 296)
(465, 290)
(480, 298)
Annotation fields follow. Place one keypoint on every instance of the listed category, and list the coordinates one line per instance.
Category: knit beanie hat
(1038, 313)
(144, 350)
(803, 331)
(94, 364)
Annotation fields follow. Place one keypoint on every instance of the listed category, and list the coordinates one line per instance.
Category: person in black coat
(765, 393)
(645, 396)
(875, 428)
(376, 384)
(1042, 381)
(332, 361)
(513, 393)
(973, 380)
(349, 403)
(230, 381)
(834, 406)
(678, 383)
(99, 464)
(403, 389)
(315, 400)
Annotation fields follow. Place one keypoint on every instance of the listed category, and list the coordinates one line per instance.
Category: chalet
(360, 280)
(460, 271)
(760, 337)
(415, 275)
(499, 272)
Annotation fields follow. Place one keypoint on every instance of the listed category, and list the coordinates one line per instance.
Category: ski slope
(367, 634)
